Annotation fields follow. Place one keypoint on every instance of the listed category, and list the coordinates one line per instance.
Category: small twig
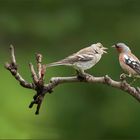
(43, 71)
(41, 88)
(13, 59)
(34, 75)
(39, 67)
(12, 67)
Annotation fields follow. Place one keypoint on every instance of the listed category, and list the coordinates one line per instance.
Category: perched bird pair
(89, 56)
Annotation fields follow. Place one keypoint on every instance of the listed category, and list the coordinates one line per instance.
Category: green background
(57, 28)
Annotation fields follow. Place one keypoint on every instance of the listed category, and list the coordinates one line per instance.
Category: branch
(122, 85)
(12, 67)
(42, 89)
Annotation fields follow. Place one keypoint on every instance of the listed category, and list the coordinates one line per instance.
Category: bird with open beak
(84, 59)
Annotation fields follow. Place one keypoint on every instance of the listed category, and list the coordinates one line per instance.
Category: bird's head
(100, 48)
(121, 48)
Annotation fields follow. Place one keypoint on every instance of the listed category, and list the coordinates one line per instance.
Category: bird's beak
(103, 48)
(113, 46)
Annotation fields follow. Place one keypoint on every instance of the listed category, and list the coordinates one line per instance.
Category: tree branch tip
(30, 64)
(11, 47)
(31, 104)
(38, 57)
(37, 112)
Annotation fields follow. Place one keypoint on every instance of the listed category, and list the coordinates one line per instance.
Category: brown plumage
(128, 61)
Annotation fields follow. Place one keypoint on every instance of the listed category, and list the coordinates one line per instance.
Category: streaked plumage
(83, 59)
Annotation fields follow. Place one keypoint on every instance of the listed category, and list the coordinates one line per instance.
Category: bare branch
(122, 85)
(39, 67)
(43, 71)
(13, 59)
(41, 88)
(34, 75)
(12, 67)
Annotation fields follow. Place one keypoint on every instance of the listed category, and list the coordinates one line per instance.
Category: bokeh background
(57, 28)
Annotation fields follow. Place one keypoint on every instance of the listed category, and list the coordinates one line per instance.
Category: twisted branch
(42, 89)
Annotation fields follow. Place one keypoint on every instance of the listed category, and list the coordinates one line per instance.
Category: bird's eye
(96, 52)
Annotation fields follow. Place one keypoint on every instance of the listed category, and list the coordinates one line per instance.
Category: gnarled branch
(41, 88)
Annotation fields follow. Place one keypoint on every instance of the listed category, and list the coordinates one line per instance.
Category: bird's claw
(83, 76)
(123, 76)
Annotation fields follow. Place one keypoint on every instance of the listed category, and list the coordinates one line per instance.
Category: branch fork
(38, 78)
(41, 89)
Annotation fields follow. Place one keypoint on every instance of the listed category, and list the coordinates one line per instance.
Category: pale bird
(84, 59)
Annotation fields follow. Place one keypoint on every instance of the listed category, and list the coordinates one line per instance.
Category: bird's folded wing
(78, 58)
(133, 63)
(83, 55)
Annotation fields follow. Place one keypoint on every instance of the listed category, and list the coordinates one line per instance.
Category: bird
(84, 59)
(128, 61)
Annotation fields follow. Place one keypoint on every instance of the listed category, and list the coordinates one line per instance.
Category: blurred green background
(57, 28)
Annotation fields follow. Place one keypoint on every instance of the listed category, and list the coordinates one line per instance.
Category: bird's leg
(123, 76)
(81, 75)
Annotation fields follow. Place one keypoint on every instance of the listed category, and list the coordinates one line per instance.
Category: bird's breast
(124, 66)
(84, 65)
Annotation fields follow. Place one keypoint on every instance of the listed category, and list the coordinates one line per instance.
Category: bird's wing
(83, 55)
(133, 62)
(78, 58)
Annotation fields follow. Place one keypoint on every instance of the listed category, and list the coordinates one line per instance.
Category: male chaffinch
(83, 59)
(128, 61)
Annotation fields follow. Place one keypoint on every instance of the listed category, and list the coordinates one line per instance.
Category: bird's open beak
(113, 46)
(104, 49)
